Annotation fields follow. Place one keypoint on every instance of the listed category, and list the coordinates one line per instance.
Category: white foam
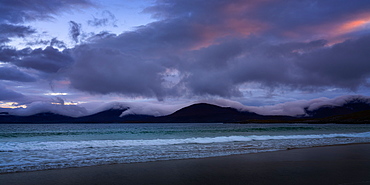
(62, 145)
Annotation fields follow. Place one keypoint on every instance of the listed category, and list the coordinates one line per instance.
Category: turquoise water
(29, 147)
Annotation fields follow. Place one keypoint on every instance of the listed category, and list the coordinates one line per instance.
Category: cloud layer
(293, 108)
(218, 48)
(19, 11)
(193, 49)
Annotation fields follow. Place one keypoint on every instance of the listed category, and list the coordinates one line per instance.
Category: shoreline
(336, 164)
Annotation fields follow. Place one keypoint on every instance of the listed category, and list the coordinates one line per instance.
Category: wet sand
(342, 164)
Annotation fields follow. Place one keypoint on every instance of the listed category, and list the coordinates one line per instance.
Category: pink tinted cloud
(242, 6)
(64, 82)
(334, 31)
(352, 25)
(246, 27)
(209, 34)
(232, 22)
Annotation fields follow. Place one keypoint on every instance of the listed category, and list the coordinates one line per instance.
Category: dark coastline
(351, 113)
(341, 164)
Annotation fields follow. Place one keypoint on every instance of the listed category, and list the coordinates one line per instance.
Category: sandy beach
(342, 164)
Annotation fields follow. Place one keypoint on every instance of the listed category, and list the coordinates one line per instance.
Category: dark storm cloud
(57, 43)
(293, 65)
(54, 42)
(25, 68)
(344, 65)
(48, 60)
(107, 19)
(235, 62)
(103, 70)
(93, 37)
(9, 95)
(19, 11)
(217, 47)
(13, 13)
(74, 30)
(14, 74)
(8, 54)
(290, 13)
(211, 83)
(15, 30)
(38, 42)
(8, 31)
(298, 65)
(309, 19)
(132, 63)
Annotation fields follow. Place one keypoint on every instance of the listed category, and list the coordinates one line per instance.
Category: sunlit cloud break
(56, 94)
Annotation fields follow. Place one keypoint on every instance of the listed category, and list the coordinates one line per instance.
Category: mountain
(356, 117)
(107, 116)
(207, 113)
(113, 115)
(355, 111)
(201, 113)
(46, 117)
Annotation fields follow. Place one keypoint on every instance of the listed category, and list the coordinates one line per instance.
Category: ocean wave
(61, 145)
(155, 131)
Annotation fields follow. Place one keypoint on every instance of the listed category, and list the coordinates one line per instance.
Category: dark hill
(107, 116)
(355, 111)
(207, 113)
(113, 116)
(46, 117)
(356, 117)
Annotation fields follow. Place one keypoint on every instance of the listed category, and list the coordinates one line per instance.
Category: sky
(81, 56)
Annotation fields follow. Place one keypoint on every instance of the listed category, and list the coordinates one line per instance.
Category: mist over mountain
(334, 110)
(351, 106)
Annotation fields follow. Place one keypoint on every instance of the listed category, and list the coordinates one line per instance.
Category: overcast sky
(170, 53)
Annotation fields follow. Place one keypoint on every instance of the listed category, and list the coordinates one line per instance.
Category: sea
(32, 147)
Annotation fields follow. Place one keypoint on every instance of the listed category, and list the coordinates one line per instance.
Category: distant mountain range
(354, 111)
